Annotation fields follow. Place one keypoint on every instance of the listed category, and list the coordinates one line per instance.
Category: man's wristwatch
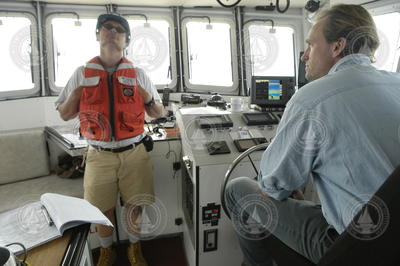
(151, 103)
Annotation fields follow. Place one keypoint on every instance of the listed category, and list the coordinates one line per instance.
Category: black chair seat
(347, 250)
(381, 251)
(350, 251)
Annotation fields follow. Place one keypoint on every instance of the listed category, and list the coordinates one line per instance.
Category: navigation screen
(269, 89)
(274, 89)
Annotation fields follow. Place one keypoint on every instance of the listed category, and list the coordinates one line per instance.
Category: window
(19, 55)
(269, 54)
(149, 49)
(206, 46)
(387, 55)
(209, 56)
(74, 45)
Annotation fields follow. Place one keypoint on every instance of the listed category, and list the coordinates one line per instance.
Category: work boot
(107, 257)
(135, 255)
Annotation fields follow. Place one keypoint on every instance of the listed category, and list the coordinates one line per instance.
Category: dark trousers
(270, 230)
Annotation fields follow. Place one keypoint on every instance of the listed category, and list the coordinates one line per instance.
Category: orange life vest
(111, 107)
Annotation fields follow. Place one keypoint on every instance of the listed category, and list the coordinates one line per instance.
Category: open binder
(39, 222)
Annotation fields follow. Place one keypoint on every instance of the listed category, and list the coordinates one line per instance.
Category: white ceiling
(186, 3)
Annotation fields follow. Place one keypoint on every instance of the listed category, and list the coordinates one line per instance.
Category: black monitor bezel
(286, 92)
(301, 75)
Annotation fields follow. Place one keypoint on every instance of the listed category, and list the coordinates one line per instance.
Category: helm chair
(346, 250)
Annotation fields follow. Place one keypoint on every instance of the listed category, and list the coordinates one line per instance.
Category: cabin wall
(29, 113)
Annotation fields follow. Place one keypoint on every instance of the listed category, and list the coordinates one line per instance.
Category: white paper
(67, 212)
(209, 110)
(28, 224)
(240, 134)
(75, 140)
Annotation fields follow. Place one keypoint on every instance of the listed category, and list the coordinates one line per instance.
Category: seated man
(342, 128)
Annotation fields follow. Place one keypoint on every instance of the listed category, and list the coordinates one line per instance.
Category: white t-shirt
(76, 80)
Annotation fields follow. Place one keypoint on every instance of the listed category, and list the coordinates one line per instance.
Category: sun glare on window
(149, 49)
(209, 52)
(387, 55)
(73, 46)
(271, 53)
(16, 54)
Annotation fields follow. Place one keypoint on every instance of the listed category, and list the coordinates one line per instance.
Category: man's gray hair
(355, 24)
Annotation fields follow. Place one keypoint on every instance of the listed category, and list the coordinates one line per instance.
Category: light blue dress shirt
(343, 130)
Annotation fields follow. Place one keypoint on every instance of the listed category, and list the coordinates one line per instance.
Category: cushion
(23, 155)
(19, 193)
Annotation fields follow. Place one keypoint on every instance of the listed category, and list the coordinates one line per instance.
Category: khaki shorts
(129, 172)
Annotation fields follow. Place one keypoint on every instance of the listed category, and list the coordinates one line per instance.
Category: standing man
(342, 128)
(111, 98)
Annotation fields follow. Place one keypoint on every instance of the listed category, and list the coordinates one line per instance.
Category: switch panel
(211, 214)
(210, 240)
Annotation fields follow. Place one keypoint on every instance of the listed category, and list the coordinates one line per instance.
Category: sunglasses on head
(108, 26)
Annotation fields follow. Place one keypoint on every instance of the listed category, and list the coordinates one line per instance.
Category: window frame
(230, 90)
(172, 48)
(383, 8)
(50, 64)
(295, 22)
(35, 63)
(54, 90)
(247, 43)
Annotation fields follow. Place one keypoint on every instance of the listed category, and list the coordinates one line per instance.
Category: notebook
(39, 222)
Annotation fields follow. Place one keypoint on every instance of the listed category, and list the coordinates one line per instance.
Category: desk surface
(68, 138)
(60, 250)
(50, 253)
